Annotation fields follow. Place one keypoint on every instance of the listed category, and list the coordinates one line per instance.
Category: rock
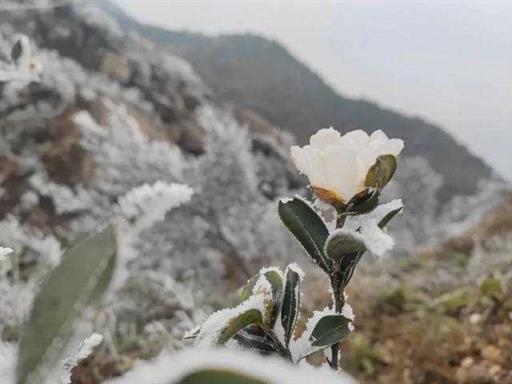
(65, 160)
(475, 374)
(492, 353)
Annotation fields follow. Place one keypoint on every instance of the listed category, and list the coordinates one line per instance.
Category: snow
(366, 229)
(171, 368)
(84, 350)
(8, 353)
(4, 252)
(88, 346)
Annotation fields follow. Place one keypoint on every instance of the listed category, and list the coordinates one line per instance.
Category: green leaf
(386, 219)
(381, 172)
(276, 282)
(359, 205)
(329, 330)
(307, 227)
(82, 275)
(248, 286)
(16, 51)
(341, 244)
(219, 376)
(236, 324)
(291, 303)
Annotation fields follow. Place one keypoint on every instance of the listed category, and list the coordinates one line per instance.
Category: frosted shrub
(347, 174)
(86, 270)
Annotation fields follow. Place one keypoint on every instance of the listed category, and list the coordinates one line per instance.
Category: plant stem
(338, 294)
(339, 302)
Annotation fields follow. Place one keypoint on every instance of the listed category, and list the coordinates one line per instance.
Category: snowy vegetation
(112, 225)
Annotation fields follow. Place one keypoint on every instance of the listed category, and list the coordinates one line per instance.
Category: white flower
(337, 165)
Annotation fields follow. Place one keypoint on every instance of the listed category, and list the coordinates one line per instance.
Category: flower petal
(324, 138)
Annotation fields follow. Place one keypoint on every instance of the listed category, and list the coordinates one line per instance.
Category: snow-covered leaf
(305, 344)
(70, 287)
(224, 324)
(307, 227)
(235, 324)
(272, 277)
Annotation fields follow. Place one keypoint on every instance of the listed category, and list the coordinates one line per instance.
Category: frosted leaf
(147, 204)
(211, 328)
(302, 346)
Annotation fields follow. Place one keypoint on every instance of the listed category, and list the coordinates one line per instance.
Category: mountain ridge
(262, 75)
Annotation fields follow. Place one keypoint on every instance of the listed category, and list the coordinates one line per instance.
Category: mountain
(259, 74)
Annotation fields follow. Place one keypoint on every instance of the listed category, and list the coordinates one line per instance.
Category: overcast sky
(448, 62)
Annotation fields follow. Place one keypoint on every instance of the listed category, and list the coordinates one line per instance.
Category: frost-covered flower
(337, 165)
(4, 252)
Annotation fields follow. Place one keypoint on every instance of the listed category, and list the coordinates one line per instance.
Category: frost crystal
(148, 204)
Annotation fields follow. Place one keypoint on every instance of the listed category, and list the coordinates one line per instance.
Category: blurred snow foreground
(225, 366)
